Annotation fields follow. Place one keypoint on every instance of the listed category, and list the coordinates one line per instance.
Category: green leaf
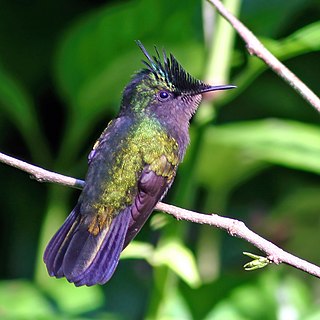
(233, 152)
(183, 263)
(20, 299)
(284, 142)
(215, 167)
(138, 250)
(179, 259)
(75, 300)
(18, 106)
(306, 39)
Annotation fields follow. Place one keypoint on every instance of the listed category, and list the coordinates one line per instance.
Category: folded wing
(87, 258)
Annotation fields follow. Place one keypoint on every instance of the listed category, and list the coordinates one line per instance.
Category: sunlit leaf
(235, 151)
(138, 250)
(183, 262)
(179, 259)
(305, 39)
(221, 166)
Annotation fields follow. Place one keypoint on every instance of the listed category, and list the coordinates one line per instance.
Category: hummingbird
(130, 168)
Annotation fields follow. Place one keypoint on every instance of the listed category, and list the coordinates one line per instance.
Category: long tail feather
(84, 258)
(55, 250)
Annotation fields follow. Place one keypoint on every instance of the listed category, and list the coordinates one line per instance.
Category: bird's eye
(163, 95)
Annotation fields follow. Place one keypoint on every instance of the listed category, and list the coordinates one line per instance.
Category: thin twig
(255, 47)
(234, 227)
(40, 174)
(238, 229)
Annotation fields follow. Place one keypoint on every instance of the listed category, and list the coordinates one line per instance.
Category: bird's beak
(216, 88)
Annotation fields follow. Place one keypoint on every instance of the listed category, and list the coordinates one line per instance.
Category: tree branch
(40, 174)
(234, 227)
(255, 47)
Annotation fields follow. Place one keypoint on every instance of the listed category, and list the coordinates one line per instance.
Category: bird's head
(165, 88)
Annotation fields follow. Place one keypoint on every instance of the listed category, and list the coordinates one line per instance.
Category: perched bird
(131, 167)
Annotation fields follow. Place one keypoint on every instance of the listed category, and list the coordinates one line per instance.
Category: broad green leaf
(138, 250)
(183, 263)
(306, 39)
(233, 152)
(221, 166)
(179, 259)
(289, 143)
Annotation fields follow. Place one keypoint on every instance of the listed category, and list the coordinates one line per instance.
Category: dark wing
(85, 258)
(116, 130)
(152, 187)
(86, 253)
(82, 257)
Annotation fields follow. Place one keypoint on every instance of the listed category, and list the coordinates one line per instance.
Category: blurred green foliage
(254, 155)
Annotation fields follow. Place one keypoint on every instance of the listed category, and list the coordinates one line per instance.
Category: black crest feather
(170, 70)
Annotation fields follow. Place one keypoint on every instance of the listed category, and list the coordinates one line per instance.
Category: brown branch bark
(255, 47)
(234, 227)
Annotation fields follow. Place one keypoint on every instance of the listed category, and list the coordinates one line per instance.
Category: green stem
(220, 44)
(164, 280)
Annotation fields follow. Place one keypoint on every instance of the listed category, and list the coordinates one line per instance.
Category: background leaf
(180, 260)
(19, 108)
(254, 155)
